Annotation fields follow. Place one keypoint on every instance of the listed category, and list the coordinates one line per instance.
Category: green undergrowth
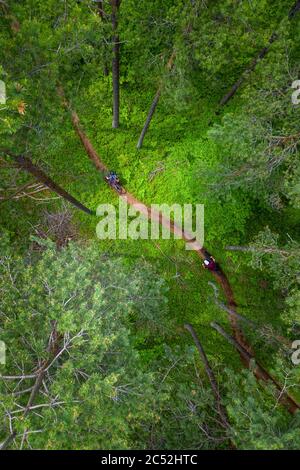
(174, 166)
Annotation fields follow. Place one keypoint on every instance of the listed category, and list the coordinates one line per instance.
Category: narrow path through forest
(220, 276)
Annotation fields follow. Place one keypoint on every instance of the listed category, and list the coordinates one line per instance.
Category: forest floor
(243, 347)
(173, 166)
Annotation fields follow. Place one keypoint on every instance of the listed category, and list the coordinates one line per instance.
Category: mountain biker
(112, 178)
(210, 263)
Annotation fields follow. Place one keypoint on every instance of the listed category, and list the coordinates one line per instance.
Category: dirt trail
(220, 276)
(201, 252)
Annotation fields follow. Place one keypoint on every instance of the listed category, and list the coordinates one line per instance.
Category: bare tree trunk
(38, 382)
(294, 9)
(211, 376)
(102, 14)
(263, 52)
(149, 117)
(250, 69)
(253, 249)
(115, 63)
(154, 105)
(262, 330)
(26, 164)
(282, 396)
(101, 11)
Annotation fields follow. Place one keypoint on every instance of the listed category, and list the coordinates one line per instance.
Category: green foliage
(282, 263)
(130, 378)
(92, 392)
(259, 142)
(256, 423)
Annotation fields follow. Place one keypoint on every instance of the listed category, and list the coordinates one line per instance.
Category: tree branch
(211, 376)
(259, 371)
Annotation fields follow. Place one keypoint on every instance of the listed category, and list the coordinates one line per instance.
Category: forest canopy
(141, 344)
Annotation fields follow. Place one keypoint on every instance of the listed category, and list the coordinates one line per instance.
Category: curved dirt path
(221, 278)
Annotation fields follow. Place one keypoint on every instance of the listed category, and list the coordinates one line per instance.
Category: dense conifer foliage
(189, 102)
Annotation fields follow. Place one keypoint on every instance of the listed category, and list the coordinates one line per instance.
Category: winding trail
(247, 354)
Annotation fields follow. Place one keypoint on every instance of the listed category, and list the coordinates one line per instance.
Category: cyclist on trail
(114, 181)
(210, 263)
(112, 178)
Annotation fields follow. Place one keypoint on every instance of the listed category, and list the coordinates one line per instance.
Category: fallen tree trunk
(27, 165)
(259, 372)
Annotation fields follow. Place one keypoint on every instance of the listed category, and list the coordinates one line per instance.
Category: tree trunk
(87, 144)
(294, 9)
(101, 13)
(263, 52)
(211, 376)
(259, 371)
(149, 117)
(21, 189)
(262, 330)
(154, 105)
(38, 382)
(26, 164)
(253, 249)
(115, 63)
